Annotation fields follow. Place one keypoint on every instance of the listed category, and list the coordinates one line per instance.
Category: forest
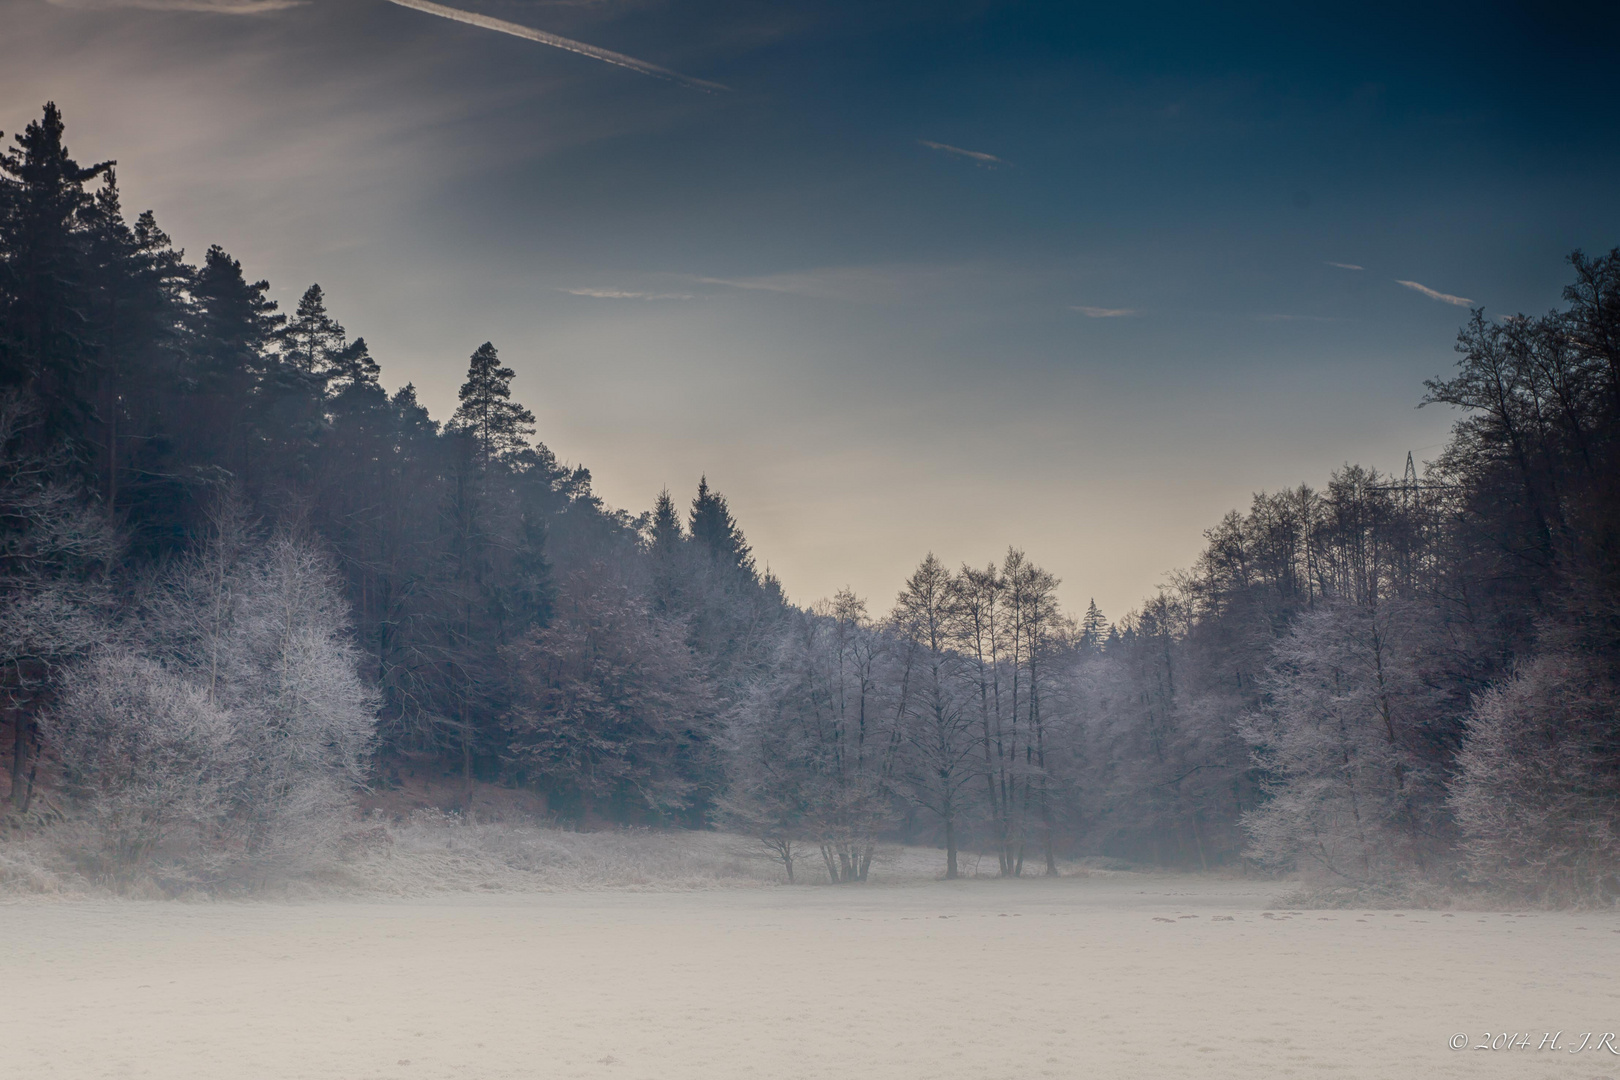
(242, 584)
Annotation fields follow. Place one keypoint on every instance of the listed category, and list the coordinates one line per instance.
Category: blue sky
(1090, 340)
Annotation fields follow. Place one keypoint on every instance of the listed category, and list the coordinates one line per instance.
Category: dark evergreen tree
(312, 339)
(1093, 628)
(714, 530)
(228, 370)
(351, 383)
(664, 533)
(498, 426)
(137, 284)
(48, 347)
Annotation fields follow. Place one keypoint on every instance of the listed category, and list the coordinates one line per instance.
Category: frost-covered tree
(815, 738)
(150, 764)
(609, 713)
(979, 637)
(1038, 630)
(55, 550)
(1536, 790)
(937, 717)
(260, 629)
(303, 714)
(1349, 697)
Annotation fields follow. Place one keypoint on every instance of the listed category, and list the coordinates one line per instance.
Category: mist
(598, 539)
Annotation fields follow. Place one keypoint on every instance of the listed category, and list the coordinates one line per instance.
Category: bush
(221, 744)
(148, 761)
(1536, 790)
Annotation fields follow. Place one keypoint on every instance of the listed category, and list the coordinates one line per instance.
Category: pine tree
(135, 282)
(1093, 628)
(233, 324)
(498, 426)
(312, 340)
(714, 529)
(534, 592)
(664, 534)
(352, 379)
(46, 348)
(412, 415)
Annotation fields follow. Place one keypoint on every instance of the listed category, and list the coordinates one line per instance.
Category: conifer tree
(46, 348)
(715, 530)
(312, 339)
(499, 427)
(352, 379)
(134, 291)
(233, 323)
(664, 534)
(1093, 628)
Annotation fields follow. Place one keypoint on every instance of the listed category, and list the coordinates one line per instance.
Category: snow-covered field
(1112, 975)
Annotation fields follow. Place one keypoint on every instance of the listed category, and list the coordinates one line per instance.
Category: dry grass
(26, 869)
(433, 852)
(436, 853)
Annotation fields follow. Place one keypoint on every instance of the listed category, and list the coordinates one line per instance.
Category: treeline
(239, 581)
(166, 434)
(1391, 683)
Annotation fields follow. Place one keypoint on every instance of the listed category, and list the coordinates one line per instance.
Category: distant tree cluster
(1392, 679)
(240, 581)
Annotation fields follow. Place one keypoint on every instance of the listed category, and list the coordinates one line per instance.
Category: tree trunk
(1046, 824)
(112, 456)
(466, 769)
(832, 867)
(950, 846)
(19, 760)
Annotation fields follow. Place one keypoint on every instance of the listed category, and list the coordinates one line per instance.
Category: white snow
(1114, 975)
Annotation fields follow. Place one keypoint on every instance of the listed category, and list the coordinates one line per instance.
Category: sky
(897, 277)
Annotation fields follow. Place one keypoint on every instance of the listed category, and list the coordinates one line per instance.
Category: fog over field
(1117, 975)
(615, 538)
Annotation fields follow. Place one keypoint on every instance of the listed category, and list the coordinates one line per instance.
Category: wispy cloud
(972, 155)
(880, 284)
(850, 284)
(1436, 294)
(1102, 312)
(626, 294)
(1345, 266)
(1295, 318)
(214, 7)
(557, 42)
(782, 283)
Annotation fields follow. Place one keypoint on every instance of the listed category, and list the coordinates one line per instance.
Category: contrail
(1436, 294)
(517, 30)
(977, 155)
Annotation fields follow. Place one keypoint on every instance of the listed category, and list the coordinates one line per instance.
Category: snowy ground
(1119, 975)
